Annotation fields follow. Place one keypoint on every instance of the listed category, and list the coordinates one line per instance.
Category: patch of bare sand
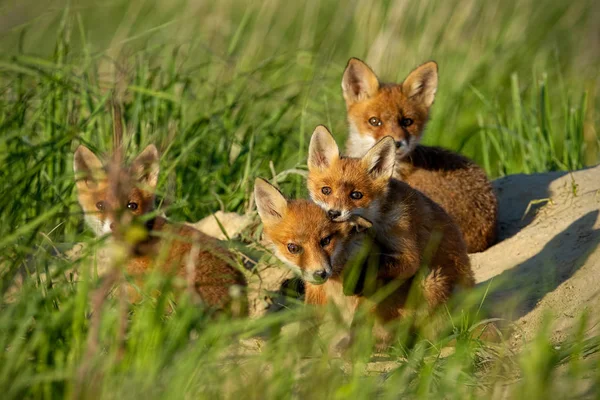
(231, 223)
(548, 259)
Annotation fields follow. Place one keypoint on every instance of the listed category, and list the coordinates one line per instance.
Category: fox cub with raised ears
(213, 271)
(376, 110)
(415, 230)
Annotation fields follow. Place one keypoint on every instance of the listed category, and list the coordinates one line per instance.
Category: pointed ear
(360, 223)
(145, 167)
(421, 84)
(87, 167)
(380, 159)
(359, 82)
(270, 203)
(323, 150)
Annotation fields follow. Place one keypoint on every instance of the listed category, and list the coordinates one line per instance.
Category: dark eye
(325, 241)
(132, 206)
(100, 205)
(356, 195)
(326, 190)
(293, 248)
(406, 122)
(375, 121)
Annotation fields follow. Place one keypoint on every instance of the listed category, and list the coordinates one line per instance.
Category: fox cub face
(303, 237)
(134, 194)
(377, 110)
(346, 187)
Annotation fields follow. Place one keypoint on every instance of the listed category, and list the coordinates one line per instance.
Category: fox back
(114, 196)
(401, 111)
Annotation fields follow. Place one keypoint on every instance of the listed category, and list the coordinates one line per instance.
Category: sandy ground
(548, 259)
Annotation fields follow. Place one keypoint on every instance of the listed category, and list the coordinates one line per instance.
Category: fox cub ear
(323, 150)
(359, 82)
(87, 167)
(270, 203)
(145, 167)
(421, 83)
(380, 159)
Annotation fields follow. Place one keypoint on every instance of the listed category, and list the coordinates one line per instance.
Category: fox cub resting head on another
(113, 199)
(415, 230)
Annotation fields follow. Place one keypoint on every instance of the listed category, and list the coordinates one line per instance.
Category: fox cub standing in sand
(376, 110)
(414, 229)
(213, 274)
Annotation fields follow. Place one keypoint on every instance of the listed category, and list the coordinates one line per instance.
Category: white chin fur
(357, 144)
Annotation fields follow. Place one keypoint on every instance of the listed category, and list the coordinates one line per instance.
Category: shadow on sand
(515, 193)
(515, 292)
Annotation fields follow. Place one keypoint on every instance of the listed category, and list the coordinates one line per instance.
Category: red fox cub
(314, 247)
(414, 229)
(376, 110)
(213, 273)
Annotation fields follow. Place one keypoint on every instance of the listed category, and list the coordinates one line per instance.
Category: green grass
(227, 89)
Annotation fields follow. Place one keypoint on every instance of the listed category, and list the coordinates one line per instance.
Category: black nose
(320, 275)
(401, 143)
(333, 214)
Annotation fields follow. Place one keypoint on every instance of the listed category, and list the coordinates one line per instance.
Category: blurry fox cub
(376, 110)
(411, 227)
(213, 273)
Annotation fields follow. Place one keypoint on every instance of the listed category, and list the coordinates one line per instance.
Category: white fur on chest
(357, 144)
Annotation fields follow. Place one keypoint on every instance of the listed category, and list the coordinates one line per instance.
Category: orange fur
(213, 270)
(305, 225)
(402, 111)
(413, 229)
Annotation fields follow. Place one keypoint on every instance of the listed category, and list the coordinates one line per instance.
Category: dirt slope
(548, 259)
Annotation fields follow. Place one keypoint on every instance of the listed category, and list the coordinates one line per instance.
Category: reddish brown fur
(415, 230)
(213, 274)
(305, 224)
(415, 222)
(213, 270)
(456, 183)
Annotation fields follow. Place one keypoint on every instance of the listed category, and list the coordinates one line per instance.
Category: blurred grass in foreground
(224, 88)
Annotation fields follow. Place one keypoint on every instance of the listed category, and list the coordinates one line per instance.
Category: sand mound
(548, 259)
(232, 223)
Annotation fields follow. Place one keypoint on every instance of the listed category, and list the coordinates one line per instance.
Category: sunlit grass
(229, 91)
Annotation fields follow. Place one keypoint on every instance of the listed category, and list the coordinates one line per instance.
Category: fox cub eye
(326, 190)
(100, 205)
(375, 121)
(405, 122)
(293, 248)
(325, 241)
(132, 206)
(356, 195)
